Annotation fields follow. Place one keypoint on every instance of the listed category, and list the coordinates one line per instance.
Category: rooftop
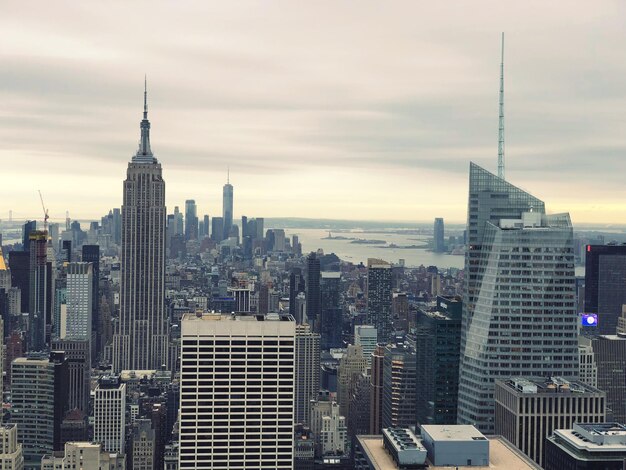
(542, 385)
(212, 316)
(456, 432)
(594, 437)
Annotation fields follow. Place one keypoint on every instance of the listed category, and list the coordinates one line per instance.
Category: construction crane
(45, 213)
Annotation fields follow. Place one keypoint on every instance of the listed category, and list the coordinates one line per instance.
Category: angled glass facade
(519, 313)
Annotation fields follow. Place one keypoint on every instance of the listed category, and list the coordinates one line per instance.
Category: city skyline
(313, 114)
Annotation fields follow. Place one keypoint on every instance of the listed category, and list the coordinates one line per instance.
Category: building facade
(399, 387)
(109, 413)
(379, 287)
(307, 355)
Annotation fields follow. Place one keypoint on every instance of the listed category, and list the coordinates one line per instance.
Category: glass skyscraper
(519, 312)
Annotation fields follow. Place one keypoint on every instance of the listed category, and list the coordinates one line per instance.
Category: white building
(329, 428)
(237, 392)
(84, 456)
(79, 301)
(110, 414)
(11, 457)
(365, 336)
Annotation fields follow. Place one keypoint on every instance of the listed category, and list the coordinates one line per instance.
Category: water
(312, 239)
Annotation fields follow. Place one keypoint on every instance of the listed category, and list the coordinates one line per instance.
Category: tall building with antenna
(501, 118)
(227, 207)
(142, 337)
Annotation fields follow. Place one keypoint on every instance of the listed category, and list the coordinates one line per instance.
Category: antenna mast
(45, 213)
(501, 120)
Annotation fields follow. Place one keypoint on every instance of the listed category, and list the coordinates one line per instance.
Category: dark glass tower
(379, 297)
(439, 245)
(331, 314)
(38, 290)
(296, 285)
(313, 297)
(191, 220)
(141, 342)
(605, 285)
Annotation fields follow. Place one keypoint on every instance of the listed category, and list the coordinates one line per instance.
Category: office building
(437, 351)
(78, 359)
(351, 366)
(191, 220)
(39, 402)
(141, 342)
(83, 456)
(379, 284)
(79, 301)
(529, 409)
(227, 209)
(296, 286)
(91, 254)
(39, 290)
(205, 226)
(29, 227)
(329, 427)
(587, 446)
(307, 355)
(217, 229)
(365, 336)
(231, 416)
(330, 319)
(519, 297)
(398, 387)
(376, 389)
(304, 450)
(313, 293)
(605, 285)
(242, 298)
(455, 445)
(439, 244)
(11, 455)
(588, 369)
(142, 446)
(109, 414)
(609, 356)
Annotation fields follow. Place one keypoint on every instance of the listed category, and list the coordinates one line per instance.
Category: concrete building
(11, 456)
(231, 416)
(143, 442)
(379, 286)
(376, 390)
(78, 357)
(587, 446)
(351, 367)
(141, 339)
(83, 456)
(609, 356)
(366, 337)
(307, 356)
(529, 409)
(329, 428)
(304, 449)
(109, 414)
(519, 297)
(588, 373)
(79, 301)
(399, 387)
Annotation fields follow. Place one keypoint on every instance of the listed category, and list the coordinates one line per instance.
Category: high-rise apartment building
(398, 387)
(605, 285)
(11, 455)
(78, 358)
(191, 220)
(438, 350)
(330, 319)
(365, 336)
(227, 209)
(439, 244)
(109, 414)
(39, 402)
(519, 313)
(379, 285)
(307, 355)
(528, 410)
(91, 254)
(141, 342)
(237, 390)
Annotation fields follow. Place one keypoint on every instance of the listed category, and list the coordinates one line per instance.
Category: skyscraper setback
(519, 315)
(142, 339)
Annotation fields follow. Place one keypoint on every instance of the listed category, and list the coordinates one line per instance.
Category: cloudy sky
(336, 109)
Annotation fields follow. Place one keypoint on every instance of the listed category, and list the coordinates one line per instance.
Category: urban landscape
(162, 335)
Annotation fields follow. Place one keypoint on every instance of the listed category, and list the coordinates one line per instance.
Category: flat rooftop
(456, 432)
(502, 456)
(211, 316)
(552, 385)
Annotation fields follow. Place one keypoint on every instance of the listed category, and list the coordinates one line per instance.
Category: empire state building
(141, 339)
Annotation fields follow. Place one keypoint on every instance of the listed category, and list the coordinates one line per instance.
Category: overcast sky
(335, 109)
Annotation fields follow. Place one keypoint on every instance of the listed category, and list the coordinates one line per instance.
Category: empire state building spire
(144, 154)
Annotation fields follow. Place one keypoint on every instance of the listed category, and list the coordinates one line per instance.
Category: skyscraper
(38, 290)
(376, 389)
(29, 227)
(330, 320)
(439, 244)
(142, 338)
(217, 229)
(79, 301)
(191, 220)
(519, 315)
(227, 208)
(237, 392)
(379, 278)
(365, 336)
(296, 286)
(398, 387)
(605, 285)
(313, 295)
(109, 414)
(91, 254)
(307, 354)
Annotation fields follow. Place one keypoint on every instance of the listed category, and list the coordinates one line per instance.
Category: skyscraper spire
(501, 120)
(144, 154)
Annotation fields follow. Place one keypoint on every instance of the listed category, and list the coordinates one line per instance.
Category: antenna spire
(501, 119)
(145, 96)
